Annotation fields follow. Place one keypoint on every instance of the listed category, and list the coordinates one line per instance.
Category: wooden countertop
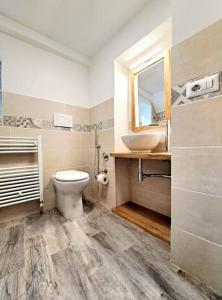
(143, 155)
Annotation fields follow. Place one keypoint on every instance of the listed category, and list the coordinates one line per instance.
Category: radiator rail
(20, 184)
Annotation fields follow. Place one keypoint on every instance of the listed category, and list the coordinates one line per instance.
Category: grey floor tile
(36, 224)
(86, 227)
(105, 244)
(159, 273)
(13, 222)
(122, 237)
(50, 226)
(11, 249)
(108, 285)
(13, 286)
(56, 239)
(136, 279)
(88, 257)
(40, 276)
(98, 256)
(73, 282)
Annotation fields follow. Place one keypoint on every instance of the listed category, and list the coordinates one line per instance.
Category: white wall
(102, 68)
(191, 16)
(31, 71)
(121, 107)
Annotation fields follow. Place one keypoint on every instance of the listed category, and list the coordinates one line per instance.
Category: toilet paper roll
(102, 178)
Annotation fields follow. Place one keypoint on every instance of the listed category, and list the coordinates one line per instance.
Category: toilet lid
(71, 175)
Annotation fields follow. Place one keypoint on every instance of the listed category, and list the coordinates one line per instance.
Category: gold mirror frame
(167, 88)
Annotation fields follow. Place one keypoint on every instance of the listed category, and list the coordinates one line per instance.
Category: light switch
(203, 86)
(209, 83)
(62, 120)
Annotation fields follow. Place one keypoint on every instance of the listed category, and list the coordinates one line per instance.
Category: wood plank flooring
(98, 256)
(148, 220)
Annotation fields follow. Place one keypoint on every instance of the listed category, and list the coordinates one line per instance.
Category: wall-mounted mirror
(150, 94)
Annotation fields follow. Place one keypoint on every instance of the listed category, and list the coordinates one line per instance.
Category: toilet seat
(71, 176)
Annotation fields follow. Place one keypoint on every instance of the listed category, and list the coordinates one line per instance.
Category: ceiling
(82, 25)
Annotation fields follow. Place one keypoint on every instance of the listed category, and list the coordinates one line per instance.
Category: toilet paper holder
(104, 171)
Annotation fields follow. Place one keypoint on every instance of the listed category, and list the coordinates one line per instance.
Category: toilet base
(70, 206)
(69, 197)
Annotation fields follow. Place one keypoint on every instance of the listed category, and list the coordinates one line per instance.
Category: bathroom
(99, 200)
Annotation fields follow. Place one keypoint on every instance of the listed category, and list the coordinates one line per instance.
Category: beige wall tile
(197, 124)
(110, 165)
(4, 131)
(104, 194)
(47, 177)
(17, 160)
(198, 257)
(153, 184)
(157, 202)
(59, 139)
(154, 166)
(49, 198)
(25, 106)
(152, 193)
(106, 138)
(197, 213)
(157, 185)
(102, 111)
(65, 158)
(198, 169)
(61, 149)
(18, 211)
(197, 163)
(198, 55)
(25, 132)
(123, 178)
(79, 114)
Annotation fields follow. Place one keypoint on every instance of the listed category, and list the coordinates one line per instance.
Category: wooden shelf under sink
(150, 221)
(143, 155)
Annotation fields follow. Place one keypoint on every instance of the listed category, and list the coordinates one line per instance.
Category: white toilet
(68, 187)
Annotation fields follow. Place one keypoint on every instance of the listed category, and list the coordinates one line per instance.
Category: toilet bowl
(68, 188)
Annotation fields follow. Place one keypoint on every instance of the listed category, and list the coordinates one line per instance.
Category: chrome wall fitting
(105, 156)
(142, 175)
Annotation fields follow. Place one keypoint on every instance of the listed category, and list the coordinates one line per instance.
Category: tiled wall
(153, 193)
(102, 116)
(197, 161)
(62, 148)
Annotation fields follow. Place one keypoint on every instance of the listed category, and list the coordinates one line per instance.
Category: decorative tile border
(23, 122)
(179, 92)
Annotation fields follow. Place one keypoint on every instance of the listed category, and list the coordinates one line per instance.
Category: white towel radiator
(21, 183)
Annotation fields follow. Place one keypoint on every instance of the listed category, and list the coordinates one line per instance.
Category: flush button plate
(203, 86)
(62, 120)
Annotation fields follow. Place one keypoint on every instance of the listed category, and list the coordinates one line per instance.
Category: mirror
(150, 95)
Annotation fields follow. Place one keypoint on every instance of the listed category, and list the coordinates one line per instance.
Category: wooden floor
(148, 220)
(99, 256)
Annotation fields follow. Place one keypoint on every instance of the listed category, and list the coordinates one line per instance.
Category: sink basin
(142, 142)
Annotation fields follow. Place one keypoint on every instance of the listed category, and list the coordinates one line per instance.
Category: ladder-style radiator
(21, 183)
